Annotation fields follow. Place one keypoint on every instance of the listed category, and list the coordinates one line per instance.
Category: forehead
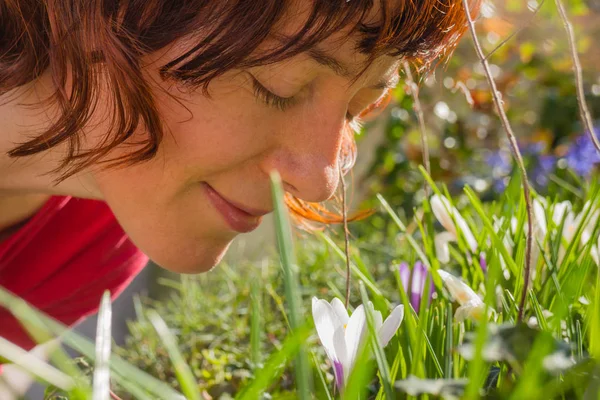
(339, 51)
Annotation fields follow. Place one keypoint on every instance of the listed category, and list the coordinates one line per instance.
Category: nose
(306, 154)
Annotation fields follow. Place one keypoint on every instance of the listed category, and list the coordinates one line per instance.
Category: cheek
(207, 136)
(175, 227)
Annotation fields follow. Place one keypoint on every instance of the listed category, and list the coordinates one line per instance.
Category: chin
(203, 260)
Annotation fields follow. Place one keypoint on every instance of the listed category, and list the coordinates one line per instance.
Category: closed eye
(270, 98)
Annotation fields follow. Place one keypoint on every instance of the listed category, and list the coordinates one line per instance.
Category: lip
(239, 219)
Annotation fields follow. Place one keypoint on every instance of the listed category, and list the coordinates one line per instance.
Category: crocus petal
(377, 318)
(404, 271)
(570, 227)
(441, 209)
(340, 310)
(589, 228)
(539, 216)
(441, 246)
(473, 309)
(559, 211)
(326, 323)
(338, 370)
(460, 291)
(341, 351)
(444, 211)
(418, 285)
(355, 331)
(391, 325)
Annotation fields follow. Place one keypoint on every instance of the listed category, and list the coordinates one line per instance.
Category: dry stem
(414, 92)
(516, 153)
(584, 112)
(346, 233)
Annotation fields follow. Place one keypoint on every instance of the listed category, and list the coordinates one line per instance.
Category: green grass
(252, 338)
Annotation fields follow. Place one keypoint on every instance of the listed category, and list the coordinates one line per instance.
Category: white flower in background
(560, 210)
(540, 227)
(449, 217)
(471, 305)
(595, 252)
(342, 335)
(572, 221)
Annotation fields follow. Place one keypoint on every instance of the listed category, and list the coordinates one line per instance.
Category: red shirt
(63, 259)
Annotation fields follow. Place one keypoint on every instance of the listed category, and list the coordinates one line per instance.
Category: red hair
(81, 38)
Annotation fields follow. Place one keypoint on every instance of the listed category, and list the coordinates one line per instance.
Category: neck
(24, 114)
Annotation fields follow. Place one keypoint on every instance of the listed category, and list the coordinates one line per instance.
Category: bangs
(417, 31)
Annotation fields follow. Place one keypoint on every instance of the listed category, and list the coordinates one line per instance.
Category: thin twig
(114, 396)
(414, 92)
(584, 112)
(516, 153)
(502, 43)
(346, 234)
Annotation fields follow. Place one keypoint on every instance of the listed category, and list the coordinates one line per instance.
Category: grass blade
(101, 386)
(288, 261)
(34, 365)
(184, 374)
(121, 369)
(273, 366)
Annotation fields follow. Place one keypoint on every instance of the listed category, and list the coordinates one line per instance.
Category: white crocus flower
(540, 227)
(471, 305)
(449, 217)
(572, 223)
(560, 210)
(342, 335)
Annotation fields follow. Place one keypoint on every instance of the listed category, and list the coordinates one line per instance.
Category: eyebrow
(339, 68)
(330, 62)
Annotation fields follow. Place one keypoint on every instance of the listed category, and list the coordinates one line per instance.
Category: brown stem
(346, 233)
(114, 396)
(584, 112)
(414, 92)
(516, 153)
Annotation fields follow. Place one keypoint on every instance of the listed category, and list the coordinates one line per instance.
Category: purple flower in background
(545, 166)
(414, 282)
(532, 149)
(501, 164)
(483, 262)
(582, 156)
(500, 161)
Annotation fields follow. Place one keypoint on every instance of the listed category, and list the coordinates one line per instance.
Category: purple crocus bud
(482, 262)
(417, 285)
(414, 283)
(404, 270)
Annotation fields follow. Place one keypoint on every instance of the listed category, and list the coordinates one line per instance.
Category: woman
(150, 127)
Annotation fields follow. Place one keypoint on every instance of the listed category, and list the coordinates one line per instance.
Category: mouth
(240, 219)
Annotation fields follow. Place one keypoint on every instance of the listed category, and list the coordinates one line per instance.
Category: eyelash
(284, 103)
(270, 98)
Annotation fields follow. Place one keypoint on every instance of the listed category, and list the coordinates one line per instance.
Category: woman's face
(184, 207)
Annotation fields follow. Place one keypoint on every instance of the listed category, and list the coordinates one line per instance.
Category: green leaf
(101, 384)
(288, 261)
(184, 374)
